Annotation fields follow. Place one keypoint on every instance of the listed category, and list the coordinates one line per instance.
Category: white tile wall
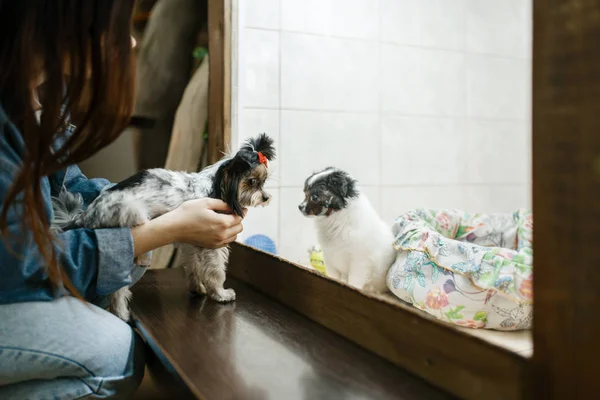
(496, 198)
(350, 85)
(396, 200)
(425, 23)
(422, 150)
(497, 151)
(499, 27)
(315, 140)
(260, 14)
(426, 102)
(420, 81)
(259, 68)
(357, 19)
(498, 87)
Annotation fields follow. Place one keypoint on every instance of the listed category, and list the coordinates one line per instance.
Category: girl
(66, 91)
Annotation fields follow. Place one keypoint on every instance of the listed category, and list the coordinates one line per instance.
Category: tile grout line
(467, 130)
(458, 185)
(390, 43)
(381, 115)
(280, 134)
(392, 114)
(466, 72)
(380, 110)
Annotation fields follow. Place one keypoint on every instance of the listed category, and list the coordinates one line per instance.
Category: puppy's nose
(266, 197)
(301, 207)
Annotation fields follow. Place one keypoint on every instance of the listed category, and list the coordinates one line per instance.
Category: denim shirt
(98, 262)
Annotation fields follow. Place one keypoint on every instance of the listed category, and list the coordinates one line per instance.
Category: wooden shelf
(256, 348)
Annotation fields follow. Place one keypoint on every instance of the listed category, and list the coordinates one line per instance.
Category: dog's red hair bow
(262, 159)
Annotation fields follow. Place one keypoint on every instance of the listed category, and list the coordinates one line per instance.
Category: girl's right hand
(201, 222)
(207, 223)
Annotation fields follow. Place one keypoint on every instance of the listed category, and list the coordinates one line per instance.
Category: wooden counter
(256, 348)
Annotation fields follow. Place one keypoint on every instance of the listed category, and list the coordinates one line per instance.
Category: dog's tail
(67, 207)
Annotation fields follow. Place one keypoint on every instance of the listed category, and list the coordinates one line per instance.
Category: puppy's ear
(338, 203)
(228, 180)
(339, 183)
(262, 143)
(343, 185)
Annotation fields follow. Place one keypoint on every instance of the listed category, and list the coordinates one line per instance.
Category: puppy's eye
(314, 198)
(252, 181)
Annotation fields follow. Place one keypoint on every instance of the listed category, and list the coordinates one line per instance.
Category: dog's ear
(338, 203)
(263, 144)
(230, 174)
(339, 183)
(343, 185)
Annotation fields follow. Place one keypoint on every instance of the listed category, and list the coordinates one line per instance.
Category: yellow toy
(316, 259)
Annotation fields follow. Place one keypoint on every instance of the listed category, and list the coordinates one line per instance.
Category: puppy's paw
(119, 303)
(223, 295)
(144, 260)
(121, 310)
(196, 287)
(123, 313)
(375, 288)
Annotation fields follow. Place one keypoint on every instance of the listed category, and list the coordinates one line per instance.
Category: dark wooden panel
(255, 348)
(566, 198)
(219, 91)
(460, 363)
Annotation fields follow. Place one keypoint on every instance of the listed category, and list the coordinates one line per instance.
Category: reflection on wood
(460, 363)
(255, 348)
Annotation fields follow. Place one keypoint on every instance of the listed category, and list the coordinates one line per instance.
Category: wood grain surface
(467, 366)
(566, 198)
(219, 97)
(256, 348)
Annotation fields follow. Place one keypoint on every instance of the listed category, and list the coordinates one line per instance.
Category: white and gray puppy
(237, 180)
(356, 243)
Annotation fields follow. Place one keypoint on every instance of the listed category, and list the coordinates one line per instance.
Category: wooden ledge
(464, 365)
(256, 348)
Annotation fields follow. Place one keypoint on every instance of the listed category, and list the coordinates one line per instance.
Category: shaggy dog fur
(238, 180)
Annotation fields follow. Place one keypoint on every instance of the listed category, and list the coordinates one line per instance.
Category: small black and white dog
(237, 180)
(357, 244)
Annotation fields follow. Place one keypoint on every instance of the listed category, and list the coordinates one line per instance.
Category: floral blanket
(472, 270)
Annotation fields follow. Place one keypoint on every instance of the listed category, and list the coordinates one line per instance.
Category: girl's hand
(207, 223)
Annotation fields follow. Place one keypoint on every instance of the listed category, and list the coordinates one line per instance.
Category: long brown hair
(81, 49)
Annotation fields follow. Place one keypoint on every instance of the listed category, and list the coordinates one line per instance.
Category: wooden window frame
(566, 193)
(219, 87)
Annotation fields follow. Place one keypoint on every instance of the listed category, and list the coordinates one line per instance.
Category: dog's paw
(144, 260)
(119, 303)
(196, 287)
(123, 313)
(223, 295)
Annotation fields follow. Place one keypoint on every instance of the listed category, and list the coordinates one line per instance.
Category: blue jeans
(67, 349)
